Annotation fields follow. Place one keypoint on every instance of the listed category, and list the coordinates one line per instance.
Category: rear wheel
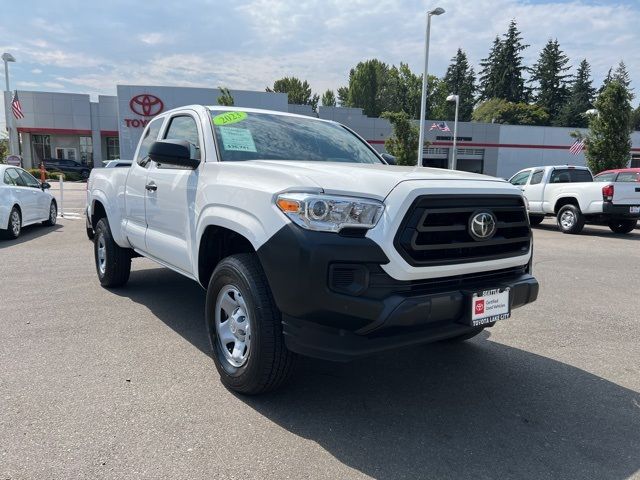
(245, 327)
(113, 263)
(570, 219)
(622, 226)
(14, 226)
(536, 219)
(53, 215)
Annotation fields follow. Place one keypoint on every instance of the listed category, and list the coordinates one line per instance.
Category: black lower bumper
(619, 211)
(338, 303)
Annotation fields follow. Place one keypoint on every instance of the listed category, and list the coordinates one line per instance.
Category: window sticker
(229, 118)
(237, 139)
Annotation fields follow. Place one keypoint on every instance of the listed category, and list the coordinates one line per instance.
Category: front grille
(435, 230)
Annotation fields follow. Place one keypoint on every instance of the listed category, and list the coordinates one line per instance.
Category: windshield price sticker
(489, 306)
(229, 118)
(237, 139)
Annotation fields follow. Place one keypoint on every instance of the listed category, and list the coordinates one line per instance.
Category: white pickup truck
(570, 194)
(307, 242)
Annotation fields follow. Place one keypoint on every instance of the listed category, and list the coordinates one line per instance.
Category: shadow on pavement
(592, 231)
(474, 410)
(29, 233)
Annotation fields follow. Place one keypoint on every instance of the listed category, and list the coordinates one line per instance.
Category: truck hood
(375, 180)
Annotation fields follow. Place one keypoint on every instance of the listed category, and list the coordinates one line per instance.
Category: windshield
(264, 136)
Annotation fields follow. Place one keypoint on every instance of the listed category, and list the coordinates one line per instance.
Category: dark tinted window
(570, 175)
(29, 179)
(628, 177)
(185, 128)
(150, 136)
(263, 136)
(536, 178)
(15, 176)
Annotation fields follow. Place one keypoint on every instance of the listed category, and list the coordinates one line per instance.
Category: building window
(86, 151)
(113, 148)
(41, 148)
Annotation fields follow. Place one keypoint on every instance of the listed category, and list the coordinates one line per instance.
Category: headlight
(328, 213)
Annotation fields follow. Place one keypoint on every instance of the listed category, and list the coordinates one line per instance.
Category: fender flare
(113, 216)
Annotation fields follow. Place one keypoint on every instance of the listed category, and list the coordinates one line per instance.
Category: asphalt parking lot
(118, 384)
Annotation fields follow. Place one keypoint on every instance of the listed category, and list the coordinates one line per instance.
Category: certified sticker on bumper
(489, 306)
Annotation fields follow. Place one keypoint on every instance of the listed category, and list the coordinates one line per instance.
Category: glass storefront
(113, 148)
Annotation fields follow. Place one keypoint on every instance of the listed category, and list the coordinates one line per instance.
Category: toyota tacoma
(307, 242)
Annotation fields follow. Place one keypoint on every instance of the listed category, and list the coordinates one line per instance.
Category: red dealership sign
(145, 105)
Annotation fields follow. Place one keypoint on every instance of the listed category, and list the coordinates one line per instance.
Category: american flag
(16, 107)
(577, 147)
(442, 126)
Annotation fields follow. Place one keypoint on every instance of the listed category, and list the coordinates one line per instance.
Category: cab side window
(520, 178)
(15, 176)
(536, 178)
(184, 127)
(605, 177)
(150, 135)
(29, 179)
(560, 176)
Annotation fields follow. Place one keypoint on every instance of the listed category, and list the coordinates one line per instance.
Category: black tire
(90, 233)
(622, 226)
(535, 219)
(114, 268)
(84, 174)
(13, 229)
(570, 219)
(53, 215)
(268, 363)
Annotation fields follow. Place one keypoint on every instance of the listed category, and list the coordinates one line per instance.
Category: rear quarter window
(628, 177)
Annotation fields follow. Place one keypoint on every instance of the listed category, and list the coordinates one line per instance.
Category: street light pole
(423, 105)
(454, 152)
(6, 58)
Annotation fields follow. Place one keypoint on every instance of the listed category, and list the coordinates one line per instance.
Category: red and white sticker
(489, 306)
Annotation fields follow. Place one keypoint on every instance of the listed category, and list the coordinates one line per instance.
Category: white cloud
(36, 71)
(153, 38)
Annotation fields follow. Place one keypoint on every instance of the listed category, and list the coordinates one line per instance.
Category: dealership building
(71, 126)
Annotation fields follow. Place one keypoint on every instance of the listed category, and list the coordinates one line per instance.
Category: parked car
(116, 163)
(23, 201)
(619, 175)
(570, 194)
(307, 242)
(67, 166)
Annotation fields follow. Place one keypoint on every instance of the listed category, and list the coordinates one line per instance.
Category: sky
(90, 47)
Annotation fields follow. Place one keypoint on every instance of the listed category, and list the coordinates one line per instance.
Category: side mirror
(173, 152)
(390, 159)
(45, 186)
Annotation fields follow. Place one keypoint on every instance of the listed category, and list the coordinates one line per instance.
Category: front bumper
(338, 303)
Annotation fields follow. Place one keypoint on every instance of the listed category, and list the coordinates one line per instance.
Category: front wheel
(113, 263)
(245, 327)
(570, 219)
(53, 215)
(622, 226)
(535, 219)
(14, 226)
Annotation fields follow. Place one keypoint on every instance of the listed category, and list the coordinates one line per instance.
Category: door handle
(151, 187)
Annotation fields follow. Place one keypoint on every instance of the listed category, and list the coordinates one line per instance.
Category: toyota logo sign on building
(146, 105)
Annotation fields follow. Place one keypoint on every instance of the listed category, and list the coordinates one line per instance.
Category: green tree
(502, 71)
(606, 81)
(4, 149)
(621, 74)
(298, 92)
(609, 139)
(460, 80)
(635, 119)
(403, 144)
(366, 85)
(328, 99)
(499, 110)
(489, 74)
(549, 74)
(402, 91)
(580, 99)
(225, 98)
(343, 96)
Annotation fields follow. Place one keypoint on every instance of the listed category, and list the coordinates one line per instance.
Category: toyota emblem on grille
(146, 105)
(482, 225)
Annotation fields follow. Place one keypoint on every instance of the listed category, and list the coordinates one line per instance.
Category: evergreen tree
(489, 74)
(511, 85)
(460, 80)
(609, 139)
(635, 119)
(606, 81)
(549, 74)
(580, 99)
(225, 97)
(298, 92)
(622, 75)
(403, 144)
(343, 96)
(328, 99)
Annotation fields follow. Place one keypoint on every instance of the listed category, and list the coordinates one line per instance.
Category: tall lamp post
(454, 151)
(6, 58)
(423, 105)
